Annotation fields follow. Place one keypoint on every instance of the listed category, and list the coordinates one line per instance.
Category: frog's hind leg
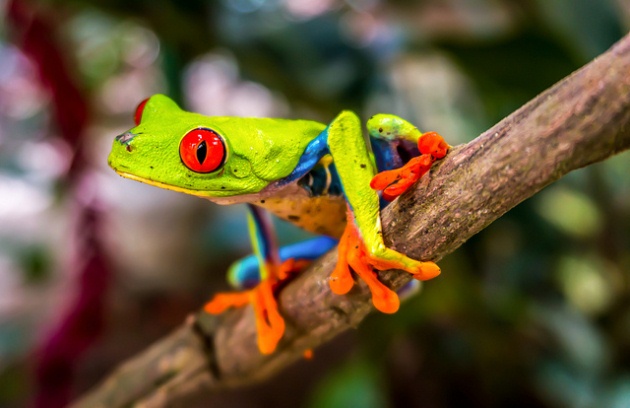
(361, 246)
(269, 323)
(431, 146)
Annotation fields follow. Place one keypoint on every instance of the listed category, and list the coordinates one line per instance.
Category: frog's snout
(125, 140)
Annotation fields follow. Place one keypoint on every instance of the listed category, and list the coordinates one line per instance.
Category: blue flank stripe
(315, 150)
(244, 274)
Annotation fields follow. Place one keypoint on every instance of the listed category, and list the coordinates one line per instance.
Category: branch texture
(583, 119)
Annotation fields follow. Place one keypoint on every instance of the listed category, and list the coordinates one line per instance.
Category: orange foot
(395, 182)
(269, 323)
(432, 143)
(354, 254)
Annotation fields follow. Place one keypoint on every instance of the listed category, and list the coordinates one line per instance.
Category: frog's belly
(321, 215)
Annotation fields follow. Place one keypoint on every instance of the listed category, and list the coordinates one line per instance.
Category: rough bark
(583, 119)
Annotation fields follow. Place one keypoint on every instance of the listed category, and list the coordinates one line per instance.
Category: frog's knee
(391, 127)
(244, 273)
(383, 126)
(346, 121)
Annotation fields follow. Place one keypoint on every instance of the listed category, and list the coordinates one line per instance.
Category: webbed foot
(353, 253)
(434, 144)
(395, 182)
(269, 323)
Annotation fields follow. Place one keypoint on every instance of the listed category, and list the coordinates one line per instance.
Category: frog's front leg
(261, 275)
(394, 182)
(361, 245)
(269, 323)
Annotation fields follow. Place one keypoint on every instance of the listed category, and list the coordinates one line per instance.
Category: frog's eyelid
(137, 116)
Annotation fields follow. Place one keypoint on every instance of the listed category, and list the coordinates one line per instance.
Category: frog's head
(183, 151)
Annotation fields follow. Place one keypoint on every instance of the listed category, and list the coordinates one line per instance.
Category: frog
(330, 179)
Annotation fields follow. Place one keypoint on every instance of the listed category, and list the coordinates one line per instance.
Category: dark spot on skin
(129, 148)
(380, 130)
(222, 187)
(235, 170)
(151, 167)
(363, 166)
(262, 201)
(294, 217)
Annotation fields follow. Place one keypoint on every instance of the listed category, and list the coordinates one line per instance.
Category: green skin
(261, 151)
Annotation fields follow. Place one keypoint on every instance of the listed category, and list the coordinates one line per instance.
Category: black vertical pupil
(202, 152)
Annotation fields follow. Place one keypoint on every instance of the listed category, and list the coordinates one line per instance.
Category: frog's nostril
(125, 138)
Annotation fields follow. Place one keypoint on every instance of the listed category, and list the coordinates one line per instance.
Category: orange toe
(384, 179)
(269, 323)
(428, 270)
(341, 280)
(383, 298)
(433, 143)
(223, 301)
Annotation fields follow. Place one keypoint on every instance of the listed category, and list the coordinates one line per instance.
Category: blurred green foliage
(533, 311)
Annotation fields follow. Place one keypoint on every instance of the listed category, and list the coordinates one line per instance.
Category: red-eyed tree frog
(323, 178)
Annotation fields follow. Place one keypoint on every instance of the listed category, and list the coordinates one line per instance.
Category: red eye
(138, 115)
(202, 150)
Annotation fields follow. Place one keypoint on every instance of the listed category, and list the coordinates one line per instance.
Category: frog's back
(273, 146)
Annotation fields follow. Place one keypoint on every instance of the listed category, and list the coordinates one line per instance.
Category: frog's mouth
(198, 193)
(159, 184)
(231, 196)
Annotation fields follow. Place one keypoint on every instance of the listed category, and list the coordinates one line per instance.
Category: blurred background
(533, 311)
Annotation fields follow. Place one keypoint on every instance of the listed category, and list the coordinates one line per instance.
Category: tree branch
(582, 119)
